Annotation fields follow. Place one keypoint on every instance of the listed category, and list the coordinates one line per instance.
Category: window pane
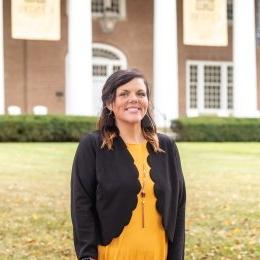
(115, 6)
(100, 70)
(212, 80)
(230, 87)
(193, 85)
(116, 68)
(230, 10)
(102, 53)
(98, 6)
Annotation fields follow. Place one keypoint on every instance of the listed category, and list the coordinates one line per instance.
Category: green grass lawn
(223, 207)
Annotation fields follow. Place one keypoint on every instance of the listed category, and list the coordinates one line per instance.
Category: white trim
(116, 51)
(223, 111)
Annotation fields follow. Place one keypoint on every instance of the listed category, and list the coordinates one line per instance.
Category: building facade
(66, 76)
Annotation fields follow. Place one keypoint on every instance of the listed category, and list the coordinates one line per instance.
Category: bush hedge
(216, 129)
(50, 128)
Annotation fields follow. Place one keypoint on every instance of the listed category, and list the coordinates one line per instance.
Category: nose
(133, 98)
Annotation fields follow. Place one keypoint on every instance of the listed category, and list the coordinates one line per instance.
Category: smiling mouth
(133, 109)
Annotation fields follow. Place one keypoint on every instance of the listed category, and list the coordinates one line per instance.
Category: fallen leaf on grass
(30, 241)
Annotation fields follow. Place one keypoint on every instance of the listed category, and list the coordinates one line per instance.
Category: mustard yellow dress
(144, 237)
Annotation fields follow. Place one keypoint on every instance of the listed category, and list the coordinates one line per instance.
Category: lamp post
(108, 20)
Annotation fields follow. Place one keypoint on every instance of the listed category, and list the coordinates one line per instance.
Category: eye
(123, 94)
(141, 94)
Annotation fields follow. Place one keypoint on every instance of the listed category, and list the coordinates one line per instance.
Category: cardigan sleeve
(83, 189)
(176, 248)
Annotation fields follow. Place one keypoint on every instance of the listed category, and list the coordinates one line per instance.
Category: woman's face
(131, 102)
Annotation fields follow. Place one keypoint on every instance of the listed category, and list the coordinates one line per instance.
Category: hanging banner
(36, 19)
(205, 22)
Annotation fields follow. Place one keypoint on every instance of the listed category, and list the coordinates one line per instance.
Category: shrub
(49, 128)
(217, 129)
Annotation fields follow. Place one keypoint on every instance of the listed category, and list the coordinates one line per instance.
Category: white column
(79, 59)
(2, 85)
(165, 67)
(244, 58)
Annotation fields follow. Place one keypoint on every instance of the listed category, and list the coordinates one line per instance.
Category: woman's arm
(83, 188)
(176, 248)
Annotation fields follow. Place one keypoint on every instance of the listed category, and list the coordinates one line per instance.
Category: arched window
(106, 60)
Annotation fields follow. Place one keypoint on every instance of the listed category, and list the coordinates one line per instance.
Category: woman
(128, 191)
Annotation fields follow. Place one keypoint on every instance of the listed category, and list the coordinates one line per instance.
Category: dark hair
(107, 124)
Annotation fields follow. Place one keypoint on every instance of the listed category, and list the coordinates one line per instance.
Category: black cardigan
(104, 189)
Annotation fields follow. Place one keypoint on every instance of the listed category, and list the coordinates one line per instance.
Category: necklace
(143, 194)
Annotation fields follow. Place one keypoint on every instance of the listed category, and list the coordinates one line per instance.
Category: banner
(36, 19)
(205, 22)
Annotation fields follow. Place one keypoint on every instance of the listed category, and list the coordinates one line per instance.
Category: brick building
(66, 76)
